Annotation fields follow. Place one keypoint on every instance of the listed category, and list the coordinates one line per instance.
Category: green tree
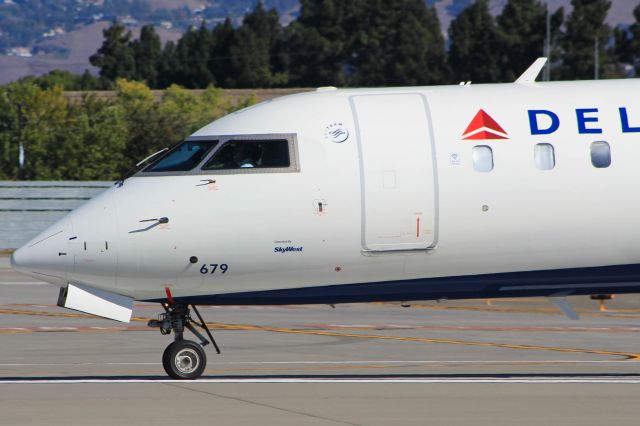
(87, 81)
(181, 112)
(219, 64)
(585, 30)
(398, 42)
(627, 43)
(91, 144)
(256, 49)
(61, 139)
(34, 118)
(115, 58)
(143, 130)
(10, 138)
(153, 125)
(94, 138)
(191, 59)
(318, 42)
(68, 81)
(147, 50)
(100, 134)
(168, 65)
(473, 53)
(522, 29)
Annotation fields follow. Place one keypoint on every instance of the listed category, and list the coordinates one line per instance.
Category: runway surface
(455, 363)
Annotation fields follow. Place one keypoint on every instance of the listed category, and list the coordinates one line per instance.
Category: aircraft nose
(44, 257)
(26, 259)
(17, 260)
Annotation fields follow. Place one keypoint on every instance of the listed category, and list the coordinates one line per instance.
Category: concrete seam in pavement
(260, 404)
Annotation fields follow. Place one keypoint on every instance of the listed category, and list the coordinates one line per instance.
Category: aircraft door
(398, 175)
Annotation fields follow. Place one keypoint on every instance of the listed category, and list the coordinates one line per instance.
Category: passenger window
(183, 157)
(600, 154)
(544, 156)
(250, 154)
(482, 158)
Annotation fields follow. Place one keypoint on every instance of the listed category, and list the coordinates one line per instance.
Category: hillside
(42, 35)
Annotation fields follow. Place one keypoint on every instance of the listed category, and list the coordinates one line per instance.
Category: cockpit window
(246, 154)
(183, 157)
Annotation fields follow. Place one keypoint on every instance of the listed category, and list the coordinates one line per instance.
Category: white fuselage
(400, 197)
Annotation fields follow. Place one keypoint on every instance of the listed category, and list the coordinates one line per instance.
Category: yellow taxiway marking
(626, 355)
(44, 314)
(246, 327)
(618, 313)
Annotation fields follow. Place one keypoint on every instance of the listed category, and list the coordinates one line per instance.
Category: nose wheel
(183, 359)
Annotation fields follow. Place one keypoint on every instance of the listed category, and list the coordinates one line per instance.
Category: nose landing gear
(183, 359)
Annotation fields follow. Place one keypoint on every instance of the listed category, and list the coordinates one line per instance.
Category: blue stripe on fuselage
(615, 279)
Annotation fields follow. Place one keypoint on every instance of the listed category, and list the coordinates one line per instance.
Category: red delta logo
(483, 127)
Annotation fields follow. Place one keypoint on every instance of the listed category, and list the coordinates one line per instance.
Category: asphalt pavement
(482, 362)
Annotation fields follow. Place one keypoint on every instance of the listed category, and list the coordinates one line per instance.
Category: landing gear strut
(183, 359)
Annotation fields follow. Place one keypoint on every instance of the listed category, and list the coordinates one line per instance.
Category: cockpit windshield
(182, 157)
(241, 154)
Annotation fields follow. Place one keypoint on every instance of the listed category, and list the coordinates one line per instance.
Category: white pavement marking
(23, 283)
(332, 380)
(212, 364)
(424, 362)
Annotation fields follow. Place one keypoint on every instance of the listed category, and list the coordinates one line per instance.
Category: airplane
(361, 195)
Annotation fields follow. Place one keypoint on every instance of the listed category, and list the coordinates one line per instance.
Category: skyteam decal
(336, 132)
(484, 127)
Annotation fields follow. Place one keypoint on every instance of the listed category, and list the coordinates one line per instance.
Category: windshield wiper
(150, 157)
(137, 167)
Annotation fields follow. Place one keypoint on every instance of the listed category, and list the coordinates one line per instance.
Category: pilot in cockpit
(247, 155)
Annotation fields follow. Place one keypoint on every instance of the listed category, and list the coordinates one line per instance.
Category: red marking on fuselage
(169, 296)
(483, 127)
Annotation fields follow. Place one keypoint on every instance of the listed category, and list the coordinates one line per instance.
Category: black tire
(184, 360)
(165, 358)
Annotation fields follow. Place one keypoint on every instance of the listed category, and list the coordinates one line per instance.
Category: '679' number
(213, 267)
